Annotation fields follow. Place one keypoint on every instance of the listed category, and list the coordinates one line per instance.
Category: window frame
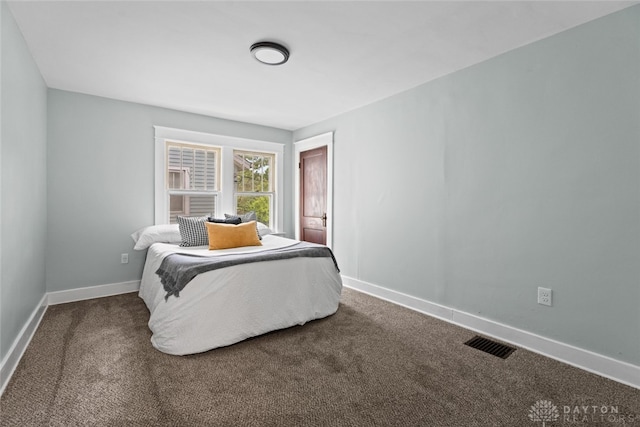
(270, 194)
(225, 203)
(185, 178)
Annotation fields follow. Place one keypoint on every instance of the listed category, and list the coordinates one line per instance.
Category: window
(253, 183)
(192, 179)
(201, 174)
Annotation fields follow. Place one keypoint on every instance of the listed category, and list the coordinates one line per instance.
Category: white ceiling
(194, 56)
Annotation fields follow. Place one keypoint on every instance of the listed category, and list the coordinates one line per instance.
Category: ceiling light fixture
(270, 53)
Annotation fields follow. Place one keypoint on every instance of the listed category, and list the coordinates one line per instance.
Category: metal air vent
(492, 347)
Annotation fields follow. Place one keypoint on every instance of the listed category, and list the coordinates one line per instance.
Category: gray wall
(23, 204)
(522, 171)
(101, 182)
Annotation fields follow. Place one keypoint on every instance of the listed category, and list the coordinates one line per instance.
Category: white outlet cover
(545, 296)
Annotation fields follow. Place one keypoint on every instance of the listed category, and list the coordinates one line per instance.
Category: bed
(227, 305)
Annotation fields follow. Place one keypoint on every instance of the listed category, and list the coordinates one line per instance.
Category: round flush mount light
(270, 53)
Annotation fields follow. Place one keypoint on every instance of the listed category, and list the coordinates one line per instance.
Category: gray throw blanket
(176, 270)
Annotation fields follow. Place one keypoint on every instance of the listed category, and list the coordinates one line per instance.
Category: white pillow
(163, 233)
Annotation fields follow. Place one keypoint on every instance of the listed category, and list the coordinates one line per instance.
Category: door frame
(325, 139)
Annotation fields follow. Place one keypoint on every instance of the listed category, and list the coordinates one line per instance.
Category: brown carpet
(370, 364)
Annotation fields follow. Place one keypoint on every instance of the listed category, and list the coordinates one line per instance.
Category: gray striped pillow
(247, 217)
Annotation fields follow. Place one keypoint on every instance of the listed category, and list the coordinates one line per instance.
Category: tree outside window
(254, 184)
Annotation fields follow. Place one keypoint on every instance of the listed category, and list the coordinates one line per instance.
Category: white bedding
(225, 306)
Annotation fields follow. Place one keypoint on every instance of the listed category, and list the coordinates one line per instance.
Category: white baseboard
(605, 366)
(12, 358)
(599, 364)
(10, 362)
(90, 292)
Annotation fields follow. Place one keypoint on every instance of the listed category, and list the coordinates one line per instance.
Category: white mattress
(228, 305)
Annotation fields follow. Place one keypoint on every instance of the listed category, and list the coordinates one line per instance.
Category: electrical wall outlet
(544, 296)
(124, 258)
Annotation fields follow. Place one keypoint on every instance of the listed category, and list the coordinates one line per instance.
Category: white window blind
(192, 179)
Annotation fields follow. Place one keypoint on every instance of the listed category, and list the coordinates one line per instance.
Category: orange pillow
(225, 236)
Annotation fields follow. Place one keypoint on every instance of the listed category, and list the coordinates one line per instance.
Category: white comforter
(228, 305)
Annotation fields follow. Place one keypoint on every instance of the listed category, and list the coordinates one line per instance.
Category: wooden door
(313, 195)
